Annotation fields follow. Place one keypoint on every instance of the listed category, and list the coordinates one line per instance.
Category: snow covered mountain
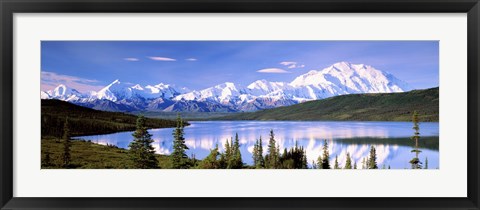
(338, 79)
(345, 78)
(62, 92)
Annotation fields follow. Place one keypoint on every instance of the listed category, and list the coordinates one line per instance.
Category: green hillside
(356, 107)
(86, 121)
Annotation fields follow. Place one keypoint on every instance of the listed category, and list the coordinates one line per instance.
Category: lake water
(391, 139)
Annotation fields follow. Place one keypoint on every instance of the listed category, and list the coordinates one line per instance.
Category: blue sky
(90, 65)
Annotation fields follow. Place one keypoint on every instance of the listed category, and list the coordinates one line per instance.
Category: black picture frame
(10, 7)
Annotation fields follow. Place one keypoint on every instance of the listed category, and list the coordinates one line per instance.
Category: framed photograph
(239, 105)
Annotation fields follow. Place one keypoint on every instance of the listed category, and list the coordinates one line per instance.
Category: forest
(86, 121)
(356, 107)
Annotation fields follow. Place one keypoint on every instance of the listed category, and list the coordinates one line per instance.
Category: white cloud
(291, 64)
(191, 59)
(131, 59)
(156, 58)
(288, 63)
(273, 70)
(50, 80)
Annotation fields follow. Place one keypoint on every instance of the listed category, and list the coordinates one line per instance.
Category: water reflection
(390, 139)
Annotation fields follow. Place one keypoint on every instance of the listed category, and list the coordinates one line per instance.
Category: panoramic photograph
(240, 105)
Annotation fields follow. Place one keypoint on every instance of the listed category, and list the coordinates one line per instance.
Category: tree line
(142, 153)
(86, 121)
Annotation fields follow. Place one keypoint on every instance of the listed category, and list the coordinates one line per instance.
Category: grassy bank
(88, 155)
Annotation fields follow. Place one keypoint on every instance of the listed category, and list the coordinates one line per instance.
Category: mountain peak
(342, 64)
(115, 82)
(61, 86)
(229, 85)
(64, 90)
(347, 78)
(137, 87)
(260, 82)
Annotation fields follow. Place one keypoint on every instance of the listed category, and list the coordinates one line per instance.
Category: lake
(391, 139)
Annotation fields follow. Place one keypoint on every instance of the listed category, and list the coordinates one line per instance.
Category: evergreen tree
(141, 150)
(66, 156)
(416, 164)
(372, 160)
(271, 159)
(261, 160)
(348, 162)
(388, 166)
(226, 156)
(319, 162)
(294, 158)
(426, 163)
(364, 166)
(193, 161)
(258, 160)
(336, 166)
(211, 161)
(326, 156)
(355, 165)
(277, 157)
(305, 161)
(228, 153)
(314, 165)
(255, 154)
(179, 158)
(236, 159)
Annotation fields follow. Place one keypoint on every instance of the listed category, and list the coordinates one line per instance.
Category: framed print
(239, 105)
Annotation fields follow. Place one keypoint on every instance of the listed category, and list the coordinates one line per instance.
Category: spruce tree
(426, 163)
(325, 156)
(336, 166)
(416, 164)
(228, 152)
(348, 162)
(179, 158)
(66, 156)
(272, 157)
(372, 160)
(255, 154)
(277, 157)
(294, 158)
(226, 156)
(211, 161)
(261, 160)
(141, 150)
(305, 161)
(236, 161)
(319, 162)
(258, 160)
(355, 165)
(193, 161)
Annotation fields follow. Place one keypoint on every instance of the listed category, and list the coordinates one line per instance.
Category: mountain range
(338, 79)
